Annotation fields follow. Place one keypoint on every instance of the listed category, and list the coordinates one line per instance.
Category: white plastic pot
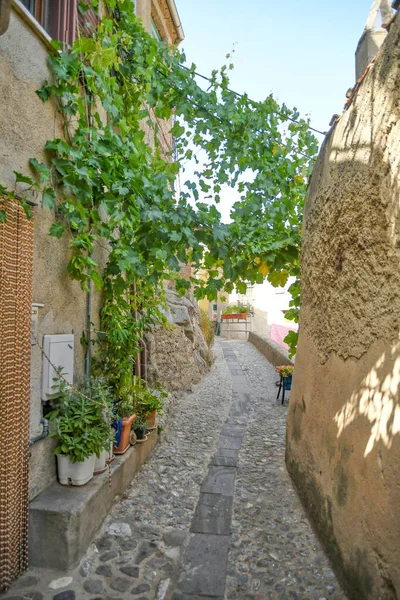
(79, 473)
(100, 463)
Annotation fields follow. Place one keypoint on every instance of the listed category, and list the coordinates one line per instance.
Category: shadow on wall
(377, 400)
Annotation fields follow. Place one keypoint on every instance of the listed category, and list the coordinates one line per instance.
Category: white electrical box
(60, 350)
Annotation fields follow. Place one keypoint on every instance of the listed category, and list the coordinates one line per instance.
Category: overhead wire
(252, 101)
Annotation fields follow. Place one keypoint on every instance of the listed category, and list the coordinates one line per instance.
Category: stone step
(64, 520)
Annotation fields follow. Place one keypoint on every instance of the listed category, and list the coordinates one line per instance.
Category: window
(154, 31)
(39, 9)
(60, 18)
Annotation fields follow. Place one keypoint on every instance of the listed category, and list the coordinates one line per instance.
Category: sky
(302, 52)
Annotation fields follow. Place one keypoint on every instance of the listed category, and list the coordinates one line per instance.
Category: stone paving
(212, 514)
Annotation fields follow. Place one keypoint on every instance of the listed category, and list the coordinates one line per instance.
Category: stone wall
(343, 443)
(177, 355)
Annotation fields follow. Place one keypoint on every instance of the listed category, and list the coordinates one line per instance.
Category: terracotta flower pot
(152, 419)
(235, 316)
(126, 431)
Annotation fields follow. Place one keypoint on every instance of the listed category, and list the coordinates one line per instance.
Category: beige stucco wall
(26, 123)
(343, 443)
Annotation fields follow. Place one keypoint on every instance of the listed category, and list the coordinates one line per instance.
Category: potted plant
(286, 372)
(82, 433)
(237, 311)
(140, 428)
(125, 415)
(148, 401)
(99, 390)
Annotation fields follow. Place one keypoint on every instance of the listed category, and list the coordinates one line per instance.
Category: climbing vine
(112, 178)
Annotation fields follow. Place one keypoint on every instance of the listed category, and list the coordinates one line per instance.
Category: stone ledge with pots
(64, 520)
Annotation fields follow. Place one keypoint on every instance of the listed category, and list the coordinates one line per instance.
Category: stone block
(64, 520)
(220, 480)
(204, 566)
(213, 514)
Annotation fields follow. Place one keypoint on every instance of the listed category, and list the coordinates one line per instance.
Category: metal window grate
(16, 263)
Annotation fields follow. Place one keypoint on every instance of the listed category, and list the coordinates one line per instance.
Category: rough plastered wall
(26, 123)
(343, 442)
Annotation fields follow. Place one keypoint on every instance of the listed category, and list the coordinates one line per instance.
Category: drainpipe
(88, 330)
(143, 359)
(90, 292)
(176, 21)
(44, 434)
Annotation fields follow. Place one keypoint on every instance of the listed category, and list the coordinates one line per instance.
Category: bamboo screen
(16, 263)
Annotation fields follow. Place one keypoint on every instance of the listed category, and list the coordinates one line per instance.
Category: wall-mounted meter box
(60, 350)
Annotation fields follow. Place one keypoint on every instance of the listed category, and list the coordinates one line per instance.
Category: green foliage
(82, 427)
(207, 327)
(116, 186)
(147, 398)
(291, 340)
(235, 309)
(124, 408)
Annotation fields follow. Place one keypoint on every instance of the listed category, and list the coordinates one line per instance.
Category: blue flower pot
(287, 382)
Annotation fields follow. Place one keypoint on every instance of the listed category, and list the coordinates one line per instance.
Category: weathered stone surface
(162, 589)
(174, 537)
(56, 584)
(27, 581)
(213, 514)
(177, 355)
(120, 530)
(109, 555)
(104, 570)
(219, 480)
(28, 596)
(93, 586)
(121, 584)
(145, 550)
(131, 570)
(203, 563)
(223, 461)
(229, 443)
(128, 544)
(143, 587)
(66, 595)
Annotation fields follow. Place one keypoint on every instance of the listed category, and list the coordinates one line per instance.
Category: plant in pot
(82, 433)
(140, 429)
(125, 416)
(237, 311)
(148, 401)
(286, 373)
(99, 390)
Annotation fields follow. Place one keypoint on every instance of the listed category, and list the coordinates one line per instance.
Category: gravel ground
(138, 552)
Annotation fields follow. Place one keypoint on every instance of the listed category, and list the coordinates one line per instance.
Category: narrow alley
(212, 514)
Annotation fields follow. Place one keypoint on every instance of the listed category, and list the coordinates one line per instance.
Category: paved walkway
(212, 514)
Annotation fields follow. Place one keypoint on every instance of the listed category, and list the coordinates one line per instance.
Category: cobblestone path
(212, 514)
